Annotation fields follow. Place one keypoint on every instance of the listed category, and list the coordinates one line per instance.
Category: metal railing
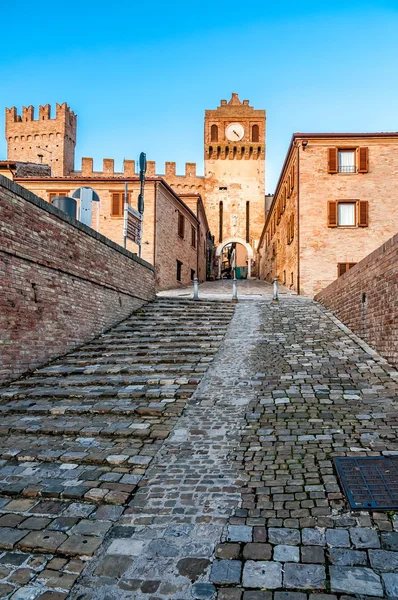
(346, 168)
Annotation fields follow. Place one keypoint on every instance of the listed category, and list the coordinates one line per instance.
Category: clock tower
(234, 139)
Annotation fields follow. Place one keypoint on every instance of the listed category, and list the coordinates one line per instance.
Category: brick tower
(43, 140)
(234, 172)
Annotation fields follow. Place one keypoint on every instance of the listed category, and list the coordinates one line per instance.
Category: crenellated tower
(44, 140)
(234, 143)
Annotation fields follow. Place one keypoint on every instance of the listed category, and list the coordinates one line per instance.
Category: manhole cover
(369, 482)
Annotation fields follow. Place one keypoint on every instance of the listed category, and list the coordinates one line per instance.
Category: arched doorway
(234, 253)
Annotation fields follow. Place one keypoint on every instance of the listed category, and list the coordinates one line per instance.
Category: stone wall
(61, 283)
(365, 298)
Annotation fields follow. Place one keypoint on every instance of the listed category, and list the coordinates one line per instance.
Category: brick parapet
(62, 283)
(365, 299)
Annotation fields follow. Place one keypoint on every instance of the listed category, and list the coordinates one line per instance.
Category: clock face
(234, 132)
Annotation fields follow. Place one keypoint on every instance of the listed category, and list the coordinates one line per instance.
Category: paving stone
(363, 537)
(80, 545)
(229, 594)
(5, 589)
(203, 591)
(290, 596)
(389, 541)
(113, 566)
(383, 560)
(347, 557)
(355, 580)
(337, 538)
(312, 555)
(390, 581)
(192, 568)
(257, 595)
(286, 554)
(284, 536)
(239, 533)
(227, 551)
(261, 574)
(226, 571)
(256, 551)
(45, 541)
(126, 547)
(304, 576)
(9, 537)
(313, 537)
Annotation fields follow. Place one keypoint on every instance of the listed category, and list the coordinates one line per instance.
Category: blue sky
(140, 75)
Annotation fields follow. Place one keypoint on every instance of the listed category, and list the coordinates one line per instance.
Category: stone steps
(76, 450)
(77, 436)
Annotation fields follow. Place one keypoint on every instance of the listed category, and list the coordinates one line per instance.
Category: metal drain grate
(369, 482)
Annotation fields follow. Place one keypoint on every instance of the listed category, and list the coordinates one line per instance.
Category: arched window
(214, 133)
(255, 133)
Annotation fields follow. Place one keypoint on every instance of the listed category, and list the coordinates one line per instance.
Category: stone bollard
(276, 293)
(195, 289)
(234, 290)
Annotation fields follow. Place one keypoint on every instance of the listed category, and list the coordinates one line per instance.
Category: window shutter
(363, 217)
(116, 205)
(292, 179)
(288, 231)
(363, 165)
(332, 214)
(332, 160)
(342, 268)
(292, 228)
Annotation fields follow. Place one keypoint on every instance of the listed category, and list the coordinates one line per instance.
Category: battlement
(129, 169)
(62, 113)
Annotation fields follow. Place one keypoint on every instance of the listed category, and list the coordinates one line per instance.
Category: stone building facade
(334, 204)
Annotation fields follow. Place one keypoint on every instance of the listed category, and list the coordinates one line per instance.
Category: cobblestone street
(188, 454)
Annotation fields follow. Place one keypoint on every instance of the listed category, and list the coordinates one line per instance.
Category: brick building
(174, 235)
(227, 201)
(335, 202)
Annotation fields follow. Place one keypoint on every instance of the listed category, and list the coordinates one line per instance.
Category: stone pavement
(77, 436)
(248, 289)
(241, 501)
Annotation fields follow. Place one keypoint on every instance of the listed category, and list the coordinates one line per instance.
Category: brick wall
(61, 283)
(366, 299)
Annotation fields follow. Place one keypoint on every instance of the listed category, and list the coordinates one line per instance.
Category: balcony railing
(346, 168)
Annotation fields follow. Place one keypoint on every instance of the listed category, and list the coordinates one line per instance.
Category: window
(284, 277)
(255, 133)
(117, 204)
(291, 278)
(348, 213)
(192, 274)
(214, 133)
(343, 268)
(193, 236)
(52, 195)
(290, 229)
(181, 225)
(179, 270)
(346, 160)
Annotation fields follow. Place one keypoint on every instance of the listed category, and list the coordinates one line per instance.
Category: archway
(236, 250)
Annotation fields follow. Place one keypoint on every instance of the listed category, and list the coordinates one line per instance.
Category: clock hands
(235, 132)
